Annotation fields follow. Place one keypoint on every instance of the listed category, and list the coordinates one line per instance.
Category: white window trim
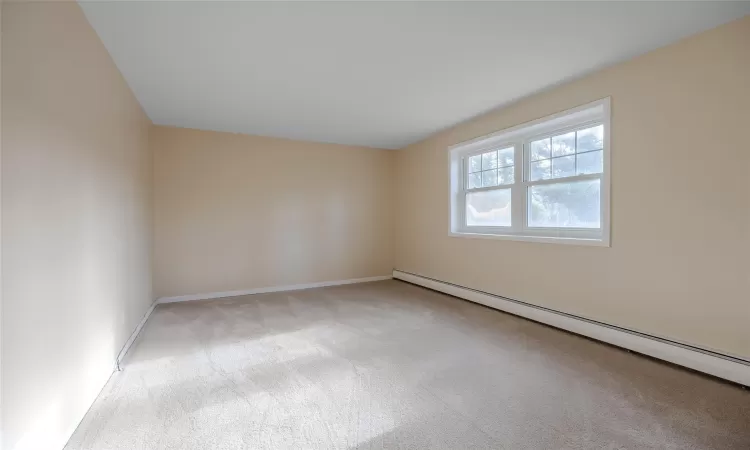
(519, 137)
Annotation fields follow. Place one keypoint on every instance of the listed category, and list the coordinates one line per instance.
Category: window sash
(567, 180)
(549, 134)
(465, 169)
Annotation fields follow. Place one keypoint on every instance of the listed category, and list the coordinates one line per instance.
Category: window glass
(564, 166)
(475, 163)
(488, 208)
(489, 160)
(506, 157)
(475, 180)
(489, 178)
(564, 144)
(590, 162)
(590, 139)
(540, 149)
(565, 205)
(505, 175)
(540, 170)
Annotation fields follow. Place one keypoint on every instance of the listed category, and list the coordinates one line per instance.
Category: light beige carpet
(391, 365)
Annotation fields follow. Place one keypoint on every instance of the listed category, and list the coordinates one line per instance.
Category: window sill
(595, 242)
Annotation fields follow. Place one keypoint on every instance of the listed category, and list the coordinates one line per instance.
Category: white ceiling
(382, 74)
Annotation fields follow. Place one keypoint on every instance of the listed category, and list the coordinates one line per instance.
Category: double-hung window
(547, 180)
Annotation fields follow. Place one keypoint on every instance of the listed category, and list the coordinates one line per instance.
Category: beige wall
(678, 265)
(236, 212)
(76, 202)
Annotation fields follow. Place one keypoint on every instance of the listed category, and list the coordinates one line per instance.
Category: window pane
(475, 180)
(505, 175)
(475, 163)
(489, 178)
(564, 144)
(539, 149)
(591, 139)
(565, 205)
(539, 170)
(564, 166)
(488, 208)
(505, 157)
(489, 160)
(590, 162)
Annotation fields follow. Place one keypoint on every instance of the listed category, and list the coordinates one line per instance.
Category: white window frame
(519, 137)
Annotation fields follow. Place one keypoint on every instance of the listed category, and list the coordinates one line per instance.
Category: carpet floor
(395, 366)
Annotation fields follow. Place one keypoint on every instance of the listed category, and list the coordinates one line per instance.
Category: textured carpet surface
(391, 365)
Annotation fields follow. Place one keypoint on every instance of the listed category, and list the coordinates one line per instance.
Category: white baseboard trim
(133, 336)
(723, 366)
(266, 290)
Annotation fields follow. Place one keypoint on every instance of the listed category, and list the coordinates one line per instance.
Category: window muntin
(547, 181)
(491, 168)
(567, 154)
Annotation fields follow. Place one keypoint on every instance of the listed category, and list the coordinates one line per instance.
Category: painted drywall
(76, 220)
(678, 264)
(237, 212)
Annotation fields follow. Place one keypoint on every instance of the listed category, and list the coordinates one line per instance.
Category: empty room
(361, 225)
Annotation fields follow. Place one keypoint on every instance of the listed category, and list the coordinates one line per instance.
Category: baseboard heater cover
(720, 365)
